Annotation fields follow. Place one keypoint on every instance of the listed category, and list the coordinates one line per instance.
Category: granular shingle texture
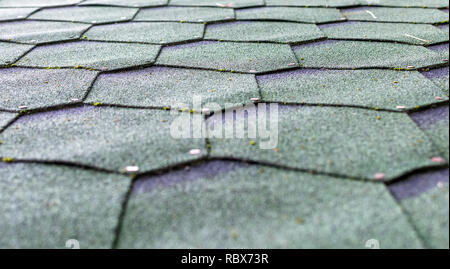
(256, 206)
(97, 55)
(316, 3)
(83, 135)
(407, 3)
(416, 34)
(125, 3)
(385, 89)
(15, 13)
(435, 123)
(173, 87)
(186, 14)
(5, 118)
(39, 88)
(333, 140)
(229, 56)
(41, 32)
(224, 124)
(431, 205)
(152, 32)
(12, 52)
(218, 3)
(282, 32)
(311, 15)
(412, 15)
(87, 14)
(360, 54)
(44, 206)
(37, 3)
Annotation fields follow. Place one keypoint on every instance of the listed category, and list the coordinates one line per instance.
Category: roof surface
(89, 90)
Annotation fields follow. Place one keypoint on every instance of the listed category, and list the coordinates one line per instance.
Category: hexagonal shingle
(161, 87)
(98, 55)
(52, 204)
(38, 88)
(125, 3)
(385, 89)
(41, 31)
(381, 14)
(86, 14)
(310, 15)
(188, 14)
(440, 77)
(435, 123)
(103, 137)
(431, 205)
(283, 32)
(218, 3)
(242, 57)
(5, 118)
(15, 13)
(147, 32)
(361, 54)
(37, 3)
(407, 3)
(261, 207)
(416, 34)
(315, 3)
(12, 52)
(338, 140)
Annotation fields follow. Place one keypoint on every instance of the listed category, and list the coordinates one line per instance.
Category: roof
(92, 92)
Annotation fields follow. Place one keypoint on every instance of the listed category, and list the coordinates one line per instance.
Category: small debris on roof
(195, 151)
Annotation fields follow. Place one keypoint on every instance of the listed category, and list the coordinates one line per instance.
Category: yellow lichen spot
(299, 220)
(77, 67)
(252, 143)
(7, 160)
(166, 108)
(192, 111)
(395, 82)
(378, 117)
(1, 142)
(234, 234)
(97, 104)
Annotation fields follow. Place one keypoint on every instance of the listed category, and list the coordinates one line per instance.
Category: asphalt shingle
(382, 14)
(98, 55)
(283, 32)
(125, 3)
(103, 137)
(187, 14)
(147, 32)
(435, 123)
(172, 87)
(5, 118)
(218, 3)
(242, 206)
(415, 34)
(429, 214)
(86, 14)
(385, 89)
(407, 3)
(361, 54)
(37, 3)
(15, 13)
(346, 141)
(316, 3)
(310, 15)
(39, 88)
(229, 56)
(12, 52)
(440, 77)
(43, 206)
(35, 32)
